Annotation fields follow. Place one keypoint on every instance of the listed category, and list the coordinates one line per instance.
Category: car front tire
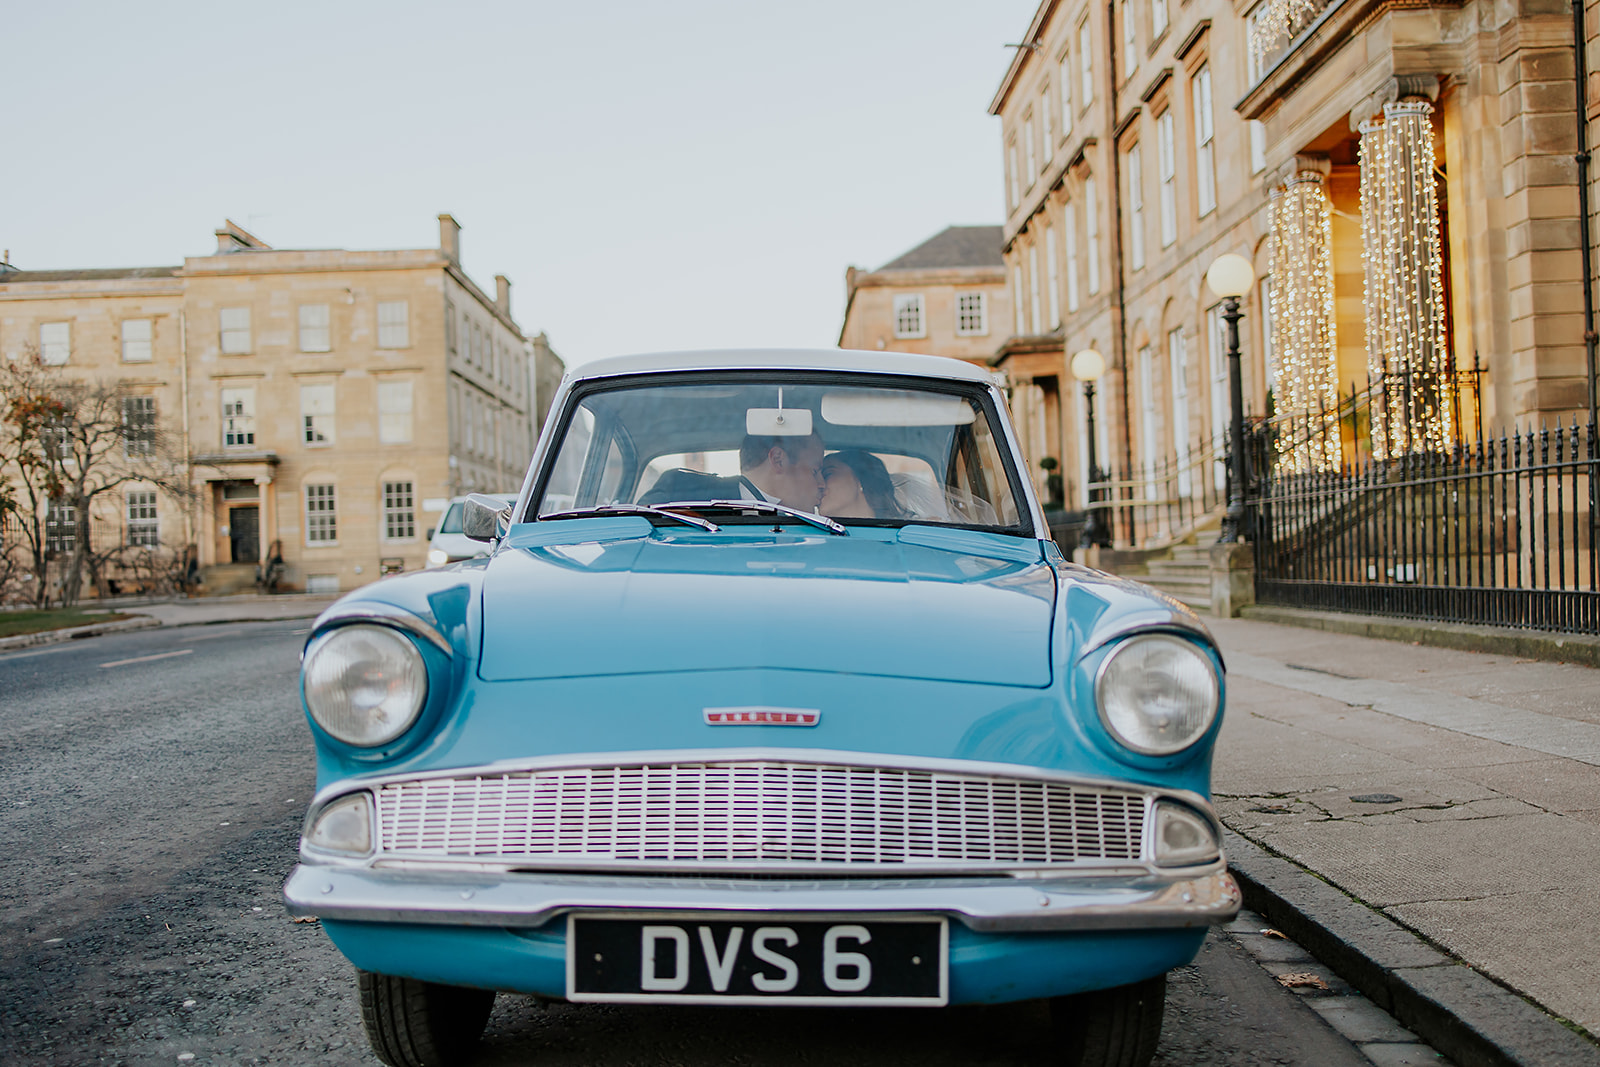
(1118, 1027)
(420, 1024)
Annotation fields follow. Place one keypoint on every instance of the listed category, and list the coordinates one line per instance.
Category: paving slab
(1486, 863)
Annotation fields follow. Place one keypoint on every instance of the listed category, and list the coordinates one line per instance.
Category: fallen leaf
(1302, 980)
(306, 919)
(1279, 934)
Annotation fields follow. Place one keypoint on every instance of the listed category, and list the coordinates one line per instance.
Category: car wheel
(1118, 1027)
(419, 1024)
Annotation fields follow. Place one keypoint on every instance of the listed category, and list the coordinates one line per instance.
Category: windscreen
(857, 453)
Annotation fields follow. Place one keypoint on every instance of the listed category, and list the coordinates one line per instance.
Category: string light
(1303, 332)
(1408, 352)
(1278, 21)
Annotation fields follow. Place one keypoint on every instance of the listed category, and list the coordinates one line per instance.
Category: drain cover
(1376, 798)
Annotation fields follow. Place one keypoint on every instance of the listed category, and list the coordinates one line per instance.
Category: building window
(317, 414)
(1046, 129)
(322, 517)
(1255, 61)
(315, 335)
(908, 315)
(238, 417)
(394, 413)
(138, 425)
(1091, 233)
(1052, 279)
(1135, 208)
(972, 314)
(1012, 186)
(1069, 218)
(1178, 369)
(143, 526)
(1028, 156)
(60, 528)
(1158, 18)
(1064, 76)
(1147, 414)
(449, 327)
(1018, 327)
(1085, 66)
(394, 330)
(136, 337)
(1035, 312)
(1167, 150)
(1205, 167)
(1258, 146)
(235, 323)
(55, 342)
(399, 512)
(1130, 41)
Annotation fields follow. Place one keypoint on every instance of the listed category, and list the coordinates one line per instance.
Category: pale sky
(651, 176)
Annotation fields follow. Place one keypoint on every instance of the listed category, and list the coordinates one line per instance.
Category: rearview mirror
(778, 422)
(482, 516)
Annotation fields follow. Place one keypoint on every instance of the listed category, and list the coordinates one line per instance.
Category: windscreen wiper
(765, 507)
(632, 509)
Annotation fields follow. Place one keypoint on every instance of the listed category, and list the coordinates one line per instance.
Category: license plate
(706, 957)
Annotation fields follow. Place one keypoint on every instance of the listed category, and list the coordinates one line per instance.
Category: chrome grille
(759, 812)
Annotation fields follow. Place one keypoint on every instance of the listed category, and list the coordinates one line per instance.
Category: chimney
(450, 238)
(502, 294)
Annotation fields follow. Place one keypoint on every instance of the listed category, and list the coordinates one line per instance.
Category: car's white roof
(789, 359)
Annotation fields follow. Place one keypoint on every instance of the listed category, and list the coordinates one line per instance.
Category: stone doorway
(244, 533)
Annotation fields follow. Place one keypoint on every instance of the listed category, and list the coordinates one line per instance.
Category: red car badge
(762, 716)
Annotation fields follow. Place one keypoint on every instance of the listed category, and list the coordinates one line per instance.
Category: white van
(448, 544)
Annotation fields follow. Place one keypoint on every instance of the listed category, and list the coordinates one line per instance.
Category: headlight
(1157, 694)
(1183, 837)
(365, 685)
(437, 557)
(343, 826)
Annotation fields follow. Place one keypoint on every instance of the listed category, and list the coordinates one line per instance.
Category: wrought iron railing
(1163, 501)
(1499, 531)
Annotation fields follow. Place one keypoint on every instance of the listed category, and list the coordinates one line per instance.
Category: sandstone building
(328, 402)
(1401, 175)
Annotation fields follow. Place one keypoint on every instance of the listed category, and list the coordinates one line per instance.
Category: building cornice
(880, 279)
(1030, 42)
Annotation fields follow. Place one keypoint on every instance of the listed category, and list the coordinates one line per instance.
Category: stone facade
(946, 297)
(1145, 138)
(329, 402)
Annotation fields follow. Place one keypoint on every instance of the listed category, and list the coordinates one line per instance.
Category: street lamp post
(1230, 277)
(1087, 366)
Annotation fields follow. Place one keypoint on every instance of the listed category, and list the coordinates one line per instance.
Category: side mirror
(429, 536)
(482, 517)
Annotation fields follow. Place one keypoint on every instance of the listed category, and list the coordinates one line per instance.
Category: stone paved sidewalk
(1457, 792)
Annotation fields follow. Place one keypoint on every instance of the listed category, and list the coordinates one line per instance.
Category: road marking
(147, 659)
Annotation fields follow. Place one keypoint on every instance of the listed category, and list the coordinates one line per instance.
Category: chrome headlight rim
(415, 663)
(1181, 641)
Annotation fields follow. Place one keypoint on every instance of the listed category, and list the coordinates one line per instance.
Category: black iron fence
(1500, 530)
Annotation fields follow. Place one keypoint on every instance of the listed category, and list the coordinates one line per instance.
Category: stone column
(1408, 352)
(1304, 343)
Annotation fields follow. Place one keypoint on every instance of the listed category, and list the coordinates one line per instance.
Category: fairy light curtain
(1408, 352)
(1303, 331)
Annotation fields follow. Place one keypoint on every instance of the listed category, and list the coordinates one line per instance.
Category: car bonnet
(619, 598)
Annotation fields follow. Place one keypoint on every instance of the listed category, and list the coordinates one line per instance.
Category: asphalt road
(151, 791)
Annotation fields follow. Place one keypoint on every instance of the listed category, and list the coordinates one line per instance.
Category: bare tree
(64, 444)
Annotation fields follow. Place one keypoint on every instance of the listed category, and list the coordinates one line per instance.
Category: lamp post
(1087, 366)
(1230, 277)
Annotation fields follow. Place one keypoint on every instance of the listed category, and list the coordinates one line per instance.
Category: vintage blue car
(773, 689)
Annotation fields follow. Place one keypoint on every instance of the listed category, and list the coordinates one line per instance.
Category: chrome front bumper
(470, 898)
